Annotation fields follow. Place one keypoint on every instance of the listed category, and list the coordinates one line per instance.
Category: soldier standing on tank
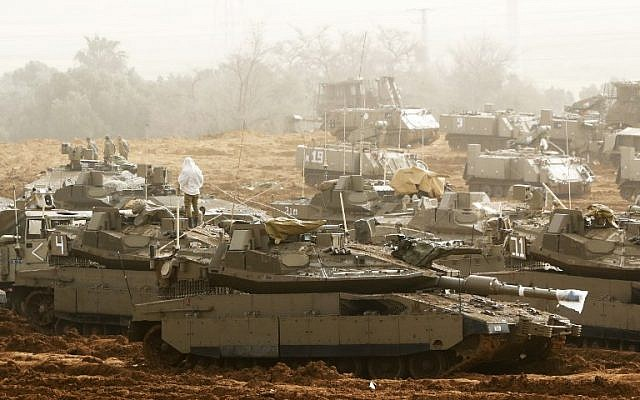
(109, 150)
(191, 180)
(123, 147)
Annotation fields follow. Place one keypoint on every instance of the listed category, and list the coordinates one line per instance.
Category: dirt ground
(255, 166)
(37, 366)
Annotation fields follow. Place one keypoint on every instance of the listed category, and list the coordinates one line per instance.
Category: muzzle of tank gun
(487, 285)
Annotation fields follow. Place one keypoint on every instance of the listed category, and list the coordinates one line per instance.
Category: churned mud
(35, 365)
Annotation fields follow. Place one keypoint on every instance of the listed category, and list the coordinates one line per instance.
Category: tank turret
(305, 293)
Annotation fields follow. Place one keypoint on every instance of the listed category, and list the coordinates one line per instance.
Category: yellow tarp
(411, 180)
(279, 228)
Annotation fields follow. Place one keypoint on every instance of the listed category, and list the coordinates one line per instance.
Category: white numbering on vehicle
(459, 122)
(317, 156)
(291, 211)
(518, 247)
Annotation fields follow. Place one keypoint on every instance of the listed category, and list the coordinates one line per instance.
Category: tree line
(255, 88)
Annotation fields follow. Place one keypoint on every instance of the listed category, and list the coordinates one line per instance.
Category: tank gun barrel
(487, 285)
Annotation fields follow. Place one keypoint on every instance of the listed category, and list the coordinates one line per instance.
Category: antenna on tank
(233, 206)
(364, 42)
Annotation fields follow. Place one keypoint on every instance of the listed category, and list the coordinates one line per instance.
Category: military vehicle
(359, 110)
(628, 176)
(358, 197)
(353, 197)
(495, 130)
(314, 296)
(25, 230)
(80, 159)
(97, 189)
(596, 251)
(583, 135)
(625, 109)
(322, 163)
(490, 128)
(494, 172)
(89, 276)
(628, 137)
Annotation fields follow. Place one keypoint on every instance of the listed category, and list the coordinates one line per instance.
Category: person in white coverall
(191, 180)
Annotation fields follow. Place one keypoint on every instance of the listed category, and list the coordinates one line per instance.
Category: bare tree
(399, 50)
(478, 71)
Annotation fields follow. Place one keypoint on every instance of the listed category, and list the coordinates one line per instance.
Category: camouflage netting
(280, 228)
(414, 180)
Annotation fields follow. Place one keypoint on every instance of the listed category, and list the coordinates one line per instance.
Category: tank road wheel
(38, 306)
(426, 365)
(348, 365)
(385, 367)
(64, 327)
(157, 352)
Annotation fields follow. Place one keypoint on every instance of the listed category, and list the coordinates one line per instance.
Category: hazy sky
(566, 43)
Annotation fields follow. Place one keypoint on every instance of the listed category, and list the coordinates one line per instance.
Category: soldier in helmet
(191, 180)
(109, 150)
(123, 147)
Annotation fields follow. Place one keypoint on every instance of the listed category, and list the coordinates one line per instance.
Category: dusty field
(235, 161)
(36, 366)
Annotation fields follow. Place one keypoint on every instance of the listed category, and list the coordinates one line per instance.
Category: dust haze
(147, 68)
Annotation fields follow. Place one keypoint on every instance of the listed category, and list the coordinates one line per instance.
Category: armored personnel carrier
(322, 163)
(495, 130)
(491, 129)
(359, 110)
(314, 296)
(628, 177)
(625, 109)
(494, 172)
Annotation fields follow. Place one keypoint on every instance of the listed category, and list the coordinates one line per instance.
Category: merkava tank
(350, 198)
(91, 275)
(24, 235)
(81, 159)
(297, 295)
(322, 163)
(357, 196)
(359, 110)
(490, 128)
(593, 250)
(494, 172)
(99, 189)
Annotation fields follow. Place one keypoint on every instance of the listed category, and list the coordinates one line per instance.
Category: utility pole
(513, 29)
(424, 34)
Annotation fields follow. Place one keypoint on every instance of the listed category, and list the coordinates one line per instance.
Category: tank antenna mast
(364, 42)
